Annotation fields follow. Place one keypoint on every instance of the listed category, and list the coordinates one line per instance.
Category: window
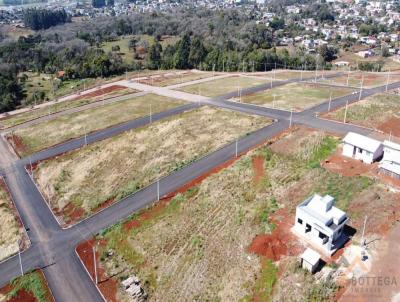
(308, 228)
(322, 235)
(299, 220)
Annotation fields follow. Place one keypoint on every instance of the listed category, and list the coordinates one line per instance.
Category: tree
(181, 58)
(43, 18)
(98, 3)
(197, 52)
(385, 51)
(327, 53)
(154, 56)
(11, 92)
(277, 23)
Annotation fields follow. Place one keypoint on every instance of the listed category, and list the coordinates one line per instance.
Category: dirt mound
(392, 125)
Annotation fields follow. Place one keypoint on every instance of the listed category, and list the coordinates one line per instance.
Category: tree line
(37, 19)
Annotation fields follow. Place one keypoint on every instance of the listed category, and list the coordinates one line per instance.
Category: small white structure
(390, 164)
(321, 223)
(310, 260)
(362, 147)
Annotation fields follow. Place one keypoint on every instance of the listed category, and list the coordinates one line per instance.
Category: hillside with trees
(43, 18)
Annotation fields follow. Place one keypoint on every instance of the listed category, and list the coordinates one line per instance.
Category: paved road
(53, 248)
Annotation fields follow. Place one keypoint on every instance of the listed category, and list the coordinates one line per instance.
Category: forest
(227, 40)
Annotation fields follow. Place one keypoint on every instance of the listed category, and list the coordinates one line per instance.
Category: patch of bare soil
(100, 92)
(258, 168)
(345, 166)
(281, 242)
(382, 282)
(392, 125)
(107, 285)
(16, 142)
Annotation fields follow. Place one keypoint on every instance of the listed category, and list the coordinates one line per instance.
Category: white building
(310, 260)
(318, 221)
(390, 163)
(362, 148)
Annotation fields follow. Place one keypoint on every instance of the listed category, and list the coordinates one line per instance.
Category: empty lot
(296, 96)
(223, 86)
(228, 237)
(10, 229)
(380, 111)
(46, 134)
(78, 183)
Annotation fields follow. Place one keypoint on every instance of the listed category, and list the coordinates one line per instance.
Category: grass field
(222, 86)
(168, 79)
(196, 246)
(30, 287)
(113, 168)
(127, 54)
(380, 111)
(296, 96)
(45, 134)
(10, 230)
(57, 107)
(370, 79)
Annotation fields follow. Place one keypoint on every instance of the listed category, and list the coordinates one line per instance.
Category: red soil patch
(281, 242)
(16, 143)
(108, 286)
(346, 166)
(392, 125)
(100, 92)
(25, 296)
(258, 168)
(70, 213)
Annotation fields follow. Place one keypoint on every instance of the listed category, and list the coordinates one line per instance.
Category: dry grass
(297, 96)
(118, 166)
(370, 79)
(57, 107)
(196, 248)
(222, 86)
(10, 231)
(370, 112)
(43, 135)
(172, 79)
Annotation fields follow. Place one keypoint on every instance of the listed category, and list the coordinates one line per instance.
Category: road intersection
(53, 248)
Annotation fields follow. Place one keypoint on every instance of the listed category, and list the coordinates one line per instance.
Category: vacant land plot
(11, 230)
(31, 287)
(380, 111)
(222, 86)
(80, 182)
(369, 79)
(296, 96)
(220, 239)
(40, 136)
(143, 42)
(168, 79)
(83, 99)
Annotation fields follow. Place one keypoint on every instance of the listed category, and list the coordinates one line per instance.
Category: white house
(390, 163)
(362, 147)
(321, 223)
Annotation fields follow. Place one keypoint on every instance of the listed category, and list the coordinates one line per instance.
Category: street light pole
(19, 256)
(95, 264)
(345, 112)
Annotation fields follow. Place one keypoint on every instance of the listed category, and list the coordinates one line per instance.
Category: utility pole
(95, 264)
(387, 81)
(158, 189)
(301, 75)
(253, 66)
(240, 95)
(84, 127)
(30, 164)
(330, 101)
(362, 84)
(150, 115)
(271, 83)
(19, 256)
(223, 66)
(273, 103)
(345, 112)
(363, 243)
(291, 117)
(348, 76)
(243, 66)
(315, 80)
(265, 67)
(236, 148)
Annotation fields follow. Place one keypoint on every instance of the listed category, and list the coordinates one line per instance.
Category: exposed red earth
(100, 92)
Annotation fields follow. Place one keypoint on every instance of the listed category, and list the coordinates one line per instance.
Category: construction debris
(134, 289)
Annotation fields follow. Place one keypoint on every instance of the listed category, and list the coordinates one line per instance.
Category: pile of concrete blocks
(133, 288)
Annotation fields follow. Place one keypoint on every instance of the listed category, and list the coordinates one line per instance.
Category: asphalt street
(53, 248)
